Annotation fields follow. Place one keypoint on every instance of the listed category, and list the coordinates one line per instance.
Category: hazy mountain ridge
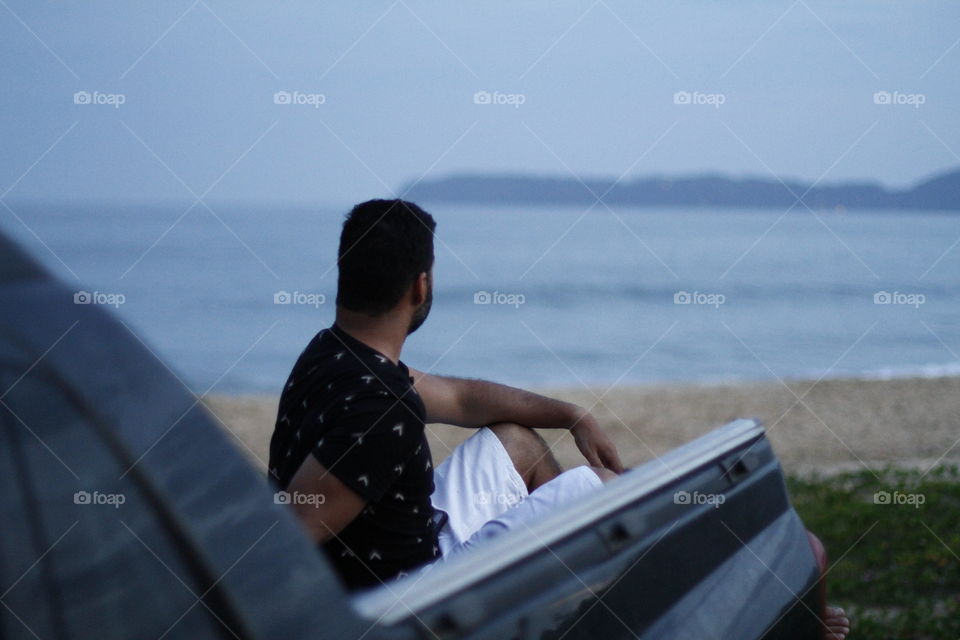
(938, 192)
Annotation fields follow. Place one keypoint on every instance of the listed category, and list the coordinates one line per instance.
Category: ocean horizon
(534, 296)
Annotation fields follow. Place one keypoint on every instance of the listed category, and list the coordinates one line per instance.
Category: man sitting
(350, 424)
(351, 420)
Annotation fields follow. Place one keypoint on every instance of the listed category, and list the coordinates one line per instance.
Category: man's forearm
(484, 402)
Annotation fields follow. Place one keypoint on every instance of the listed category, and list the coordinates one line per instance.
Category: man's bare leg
(532, 457)
(529, 453)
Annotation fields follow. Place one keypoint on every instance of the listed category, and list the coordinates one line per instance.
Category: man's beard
(420, 315)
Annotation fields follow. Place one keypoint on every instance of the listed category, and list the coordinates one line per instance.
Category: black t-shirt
(355, 411)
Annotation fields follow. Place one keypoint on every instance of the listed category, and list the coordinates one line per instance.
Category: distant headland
(937, 192)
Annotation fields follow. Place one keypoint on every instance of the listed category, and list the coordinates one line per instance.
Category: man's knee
(526, 448)
(514, 435)
(523, 444)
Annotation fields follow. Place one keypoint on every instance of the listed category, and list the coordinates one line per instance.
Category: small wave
(915, 371)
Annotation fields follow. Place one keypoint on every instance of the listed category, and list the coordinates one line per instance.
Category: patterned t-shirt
(355, 411)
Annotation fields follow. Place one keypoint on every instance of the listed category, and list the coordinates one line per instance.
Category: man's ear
(420, 288)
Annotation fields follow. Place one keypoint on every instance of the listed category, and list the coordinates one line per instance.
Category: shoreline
(837, 424)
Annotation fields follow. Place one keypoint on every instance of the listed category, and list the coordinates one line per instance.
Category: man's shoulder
(344, 377)
(335, 353)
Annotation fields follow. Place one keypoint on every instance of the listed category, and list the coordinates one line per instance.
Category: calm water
(580, 297)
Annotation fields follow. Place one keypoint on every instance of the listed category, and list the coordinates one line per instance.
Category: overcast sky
(589, 88)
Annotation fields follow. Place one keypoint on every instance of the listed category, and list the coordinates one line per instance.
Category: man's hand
(594, 444)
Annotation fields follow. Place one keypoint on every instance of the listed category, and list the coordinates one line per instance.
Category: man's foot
(837, 623)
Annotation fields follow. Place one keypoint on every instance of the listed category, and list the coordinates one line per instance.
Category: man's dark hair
(384, 246)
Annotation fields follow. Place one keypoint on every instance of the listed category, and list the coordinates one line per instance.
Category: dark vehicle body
(700, 543)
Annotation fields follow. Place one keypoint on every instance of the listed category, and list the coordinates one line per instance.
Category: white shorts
(484, 495)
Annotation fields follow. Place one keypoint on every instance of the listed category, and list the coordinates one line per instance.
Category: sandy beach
(814, 427)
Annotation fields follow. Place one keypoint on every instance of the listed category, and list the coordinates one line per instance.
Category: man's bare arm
(326, 516)
(474, 403)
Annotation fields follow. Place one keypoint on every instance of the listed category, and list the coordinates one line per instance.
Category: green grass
(895, 568)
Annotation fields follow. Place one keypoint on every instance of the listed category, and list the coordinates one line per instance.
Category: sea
(533, 296)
